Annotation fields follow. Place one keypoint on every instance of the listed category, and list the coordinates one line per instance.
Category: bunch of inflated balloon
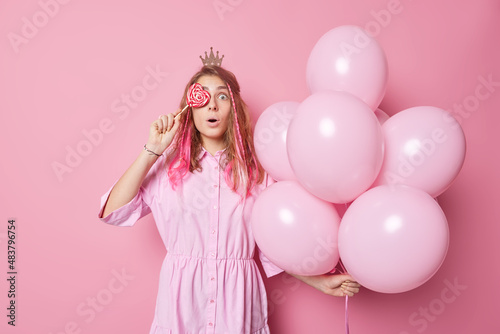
(336, 149)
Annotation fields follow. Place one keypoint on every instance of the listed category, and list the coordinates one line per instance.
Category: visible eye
(223, 96)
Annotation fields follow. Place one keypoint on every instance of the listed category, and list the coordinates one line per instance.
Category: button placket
(213, 244)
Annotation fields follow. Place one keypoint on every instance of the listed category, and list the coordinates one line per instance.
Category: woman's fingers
(171, 121)
(351, 284)
(350, 288)
(160, 124)
(165, 123)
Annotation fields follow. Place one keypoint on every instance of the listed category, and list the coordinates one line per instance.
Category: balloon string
(346, 297)
(346, 302)
(346, 315)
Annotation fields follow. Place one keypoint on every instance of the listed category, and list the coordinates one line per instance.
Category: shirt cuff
(269, 268)
(126, 215)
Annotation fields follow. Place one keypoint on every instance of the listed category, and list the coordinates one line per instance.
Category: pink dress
(209, 281)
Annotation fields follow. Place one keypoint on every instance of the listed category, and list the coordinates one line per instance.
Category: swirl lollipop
(196, 97)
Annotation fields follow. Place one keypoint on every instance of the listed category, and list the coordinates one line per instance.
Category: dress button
(212, 301)
(213, 231)
(212, 279)
(210, 324)
(213, 254)
(215, 207)
(215, 186)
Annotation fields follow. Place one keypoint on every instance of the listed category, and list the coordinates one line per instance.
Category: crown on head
(211, 59)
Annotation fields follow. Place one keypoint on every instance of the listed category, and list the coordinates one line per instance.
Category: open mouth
(212, 120)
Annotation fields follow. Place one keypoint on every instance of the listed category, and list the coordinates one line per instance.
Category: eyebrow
(218, 88)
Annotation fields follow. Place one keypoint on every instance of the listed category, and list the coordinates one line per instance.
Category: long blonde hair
(242, 167)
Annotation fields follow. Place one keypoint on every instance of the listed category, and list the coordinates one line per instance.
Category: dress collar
(204, 152)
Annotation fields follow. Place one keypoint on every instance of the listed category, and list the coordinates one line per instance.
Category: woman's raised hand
(162, 132)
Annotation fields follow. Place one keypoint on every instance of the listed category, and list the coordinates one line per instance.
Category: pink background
(68, 78)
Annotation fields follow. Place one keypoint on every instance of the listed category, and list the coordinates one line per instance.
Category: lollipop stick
(187, 105)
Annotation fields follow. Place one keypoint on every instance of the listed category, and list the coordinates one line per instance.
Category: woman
(199, 177)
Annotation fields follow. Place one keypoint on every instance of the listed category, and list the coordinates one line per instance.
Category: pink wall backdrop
(90, 76)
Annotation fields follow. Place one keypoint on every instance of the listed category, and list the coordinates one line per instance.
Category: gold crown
(212, 60)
